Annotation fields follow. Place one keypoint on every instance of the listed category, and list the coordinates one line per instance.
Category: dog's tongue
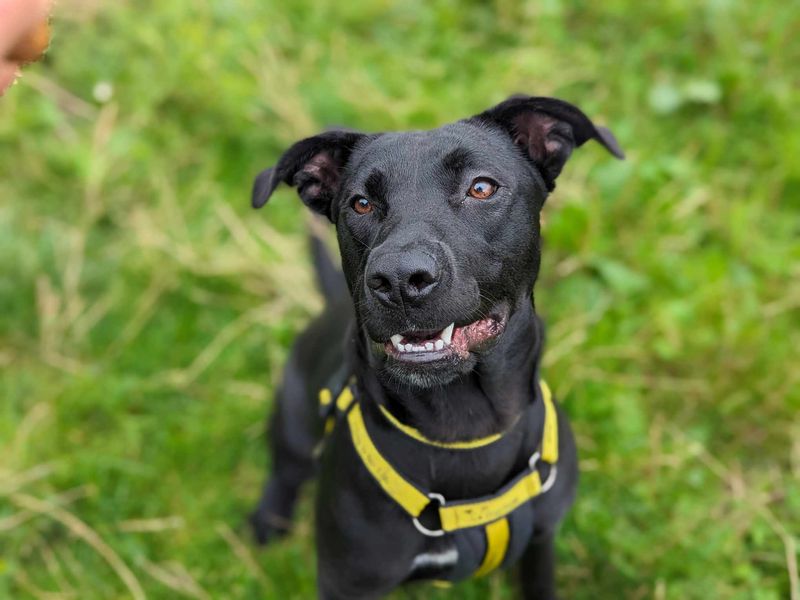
(417, 338)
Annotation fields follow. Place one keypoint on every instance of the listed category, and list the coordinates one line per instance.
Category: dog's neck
(486, 401)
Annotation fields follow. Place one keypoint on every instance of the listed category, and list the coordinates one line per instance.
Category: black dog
(442, 453)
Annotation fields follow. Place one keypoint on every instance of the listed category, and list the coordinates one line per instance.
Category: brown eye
(361, 205)
(482, 188)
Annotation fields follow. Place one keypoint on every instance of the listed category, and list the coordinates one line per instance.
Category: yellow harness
(489, 512)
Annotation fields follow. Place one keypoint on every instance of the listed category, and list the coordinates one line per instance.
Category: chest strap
(497, 537)
(460, 514)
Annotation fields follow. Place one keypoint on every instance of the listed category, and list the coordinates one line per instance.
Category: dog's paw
(268, 526)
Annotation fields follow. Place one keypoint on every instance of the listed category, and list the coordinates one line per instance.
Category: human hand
(24, 36)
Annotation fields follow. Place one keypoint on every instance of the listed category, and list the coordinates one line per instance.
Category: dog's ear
(547, 130)
(313, 165)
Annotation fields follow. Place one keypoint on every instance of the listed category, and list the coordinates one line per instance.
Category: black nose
(402, 277)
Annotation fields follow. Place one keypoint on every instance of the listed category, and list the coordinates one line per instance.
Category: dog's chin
(426, 375)
(431, 357)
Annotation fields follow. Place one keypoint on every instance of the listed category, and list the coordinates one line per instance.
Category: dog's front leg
(366, 543)
(291, 442)
(369, 562)
(537, 568)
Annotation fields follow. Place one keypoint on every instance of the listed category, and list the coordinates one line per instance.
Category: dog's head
(438, 230)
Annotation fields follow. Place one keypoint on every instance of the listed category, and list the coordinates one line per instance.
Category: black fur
(427, 254)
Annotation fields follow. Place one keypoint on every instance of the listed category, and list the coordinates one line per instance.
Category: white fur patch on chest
(439, 560)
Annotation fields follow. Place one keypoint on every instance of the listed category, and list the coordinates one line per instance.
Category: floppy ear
(314, 165)
(547, 130)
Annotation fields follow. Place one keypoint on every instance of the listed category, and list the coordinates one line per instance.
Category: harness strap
(550, 436)
(497, 535)
(420, 437)
(329, 409)
(325, 405)
(398, 487)
(472, 513)
(460, 514)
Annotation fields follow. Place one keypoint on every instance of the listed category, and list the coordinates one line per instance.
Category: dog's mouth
(454, 341)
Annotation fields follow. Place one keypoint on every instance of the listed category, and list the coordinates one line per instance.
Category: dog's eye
(361, 205)
(482, 188)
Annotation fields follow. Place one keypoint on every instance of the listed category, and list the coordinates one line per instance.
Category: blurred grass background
(146, 310)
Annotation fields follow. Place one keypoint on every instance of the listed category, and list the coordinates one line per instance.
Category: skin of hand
(24, 36)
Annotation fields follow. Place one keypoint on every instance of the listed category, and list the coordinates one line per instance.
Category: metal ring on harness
(424, 530)
(551, 478)
(533, 460)
(551, 475)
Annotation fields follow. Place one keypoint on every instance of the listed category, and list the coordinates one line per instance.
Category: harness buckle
(424, 530)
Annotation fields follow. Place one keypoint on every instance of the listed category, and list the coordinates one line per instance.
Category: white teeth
(445, 339)
(447, 334)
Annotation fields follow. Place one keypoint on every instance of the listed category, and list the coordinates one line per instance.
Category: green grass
(145, 310)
